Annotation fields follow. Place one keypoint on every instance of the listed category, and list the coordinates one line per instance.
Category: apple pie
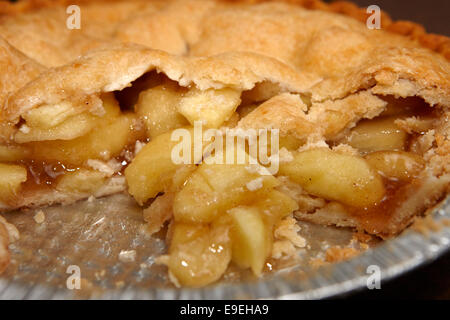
(361, 118)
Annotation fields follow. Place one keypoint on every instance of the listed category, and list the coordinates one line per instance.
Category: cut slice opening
(361, 161)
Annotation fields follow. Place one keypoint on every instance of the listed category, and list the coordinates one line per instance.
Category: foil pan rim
(394, 258)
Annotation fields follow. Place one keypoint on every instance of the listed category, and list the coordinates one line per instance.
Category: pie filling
(222, 213)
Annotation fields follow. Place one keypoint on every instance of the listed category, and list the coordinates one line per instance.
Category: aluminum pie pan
(393, 258)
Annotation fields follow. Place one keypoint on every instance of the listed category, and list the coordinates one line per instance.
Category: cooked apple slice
(158, 166)
(396, 164)
(199, 254)
(106, 141)
(290, 142)
(63, 121)
(71, 128)
(180, 177)
(211, 106)
(158, 107)
(151, 170)
(48, 116)
(275, 205)
(11, 178)
(81, 181)
(334, 176)
(13, 153)
(213, 189)
(377, 135)
(252, 240)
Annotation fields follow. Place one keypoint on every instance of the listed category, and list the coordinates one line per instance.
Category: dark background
(433, 14)
(427, 282)
(432, 281)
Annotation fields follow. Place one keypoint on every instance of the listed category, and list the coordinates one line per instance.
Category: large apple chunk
(158, 107)
(199, 254)
(13, 153)
(150, 171)
(252, 228)
(334, 176)
(396, 164)
(214, 188)
(252, 239)
(64, 121)
(81, 181)
(106, 141)
(274, 206)
(211, 106)
(377, 135)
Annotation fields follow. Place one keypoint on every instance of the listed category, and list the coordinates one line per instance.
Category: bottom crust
(4, 251)
(419, 197)
(49, 197)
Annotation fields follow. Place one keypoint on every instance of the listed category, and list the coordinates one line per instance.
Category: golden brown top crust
(115, 68)
(172, 25)
(17, 70)
(414, 31)
(317, 53)
(43, 35)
